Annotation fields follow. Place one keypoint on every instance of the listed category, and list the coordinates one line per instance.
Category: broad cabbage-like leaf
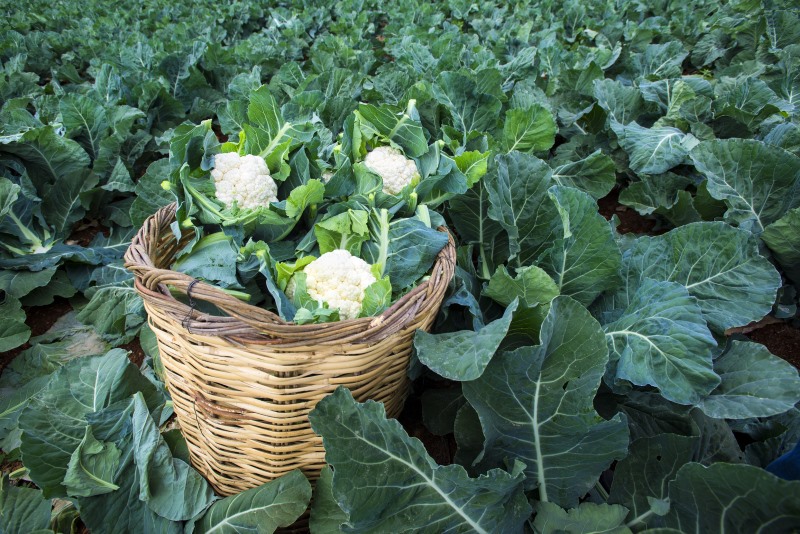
(783, 239)
(326, 516)
(641, 480)
(169, 486)
(662, 340)
(587, 517)
(54, 422)
(754, 384)
(653, 150)
(463, 355)
(263, 509)
(531, 285)
(719, 265)
(535, 404)
(385, 481)
(758, 182)
(13, 330)
(732, 498)
(404, 248)
(22, 510)
(531, 129)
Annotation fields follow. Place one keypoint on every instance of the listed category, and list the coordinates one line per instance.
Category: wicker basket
(243, 383)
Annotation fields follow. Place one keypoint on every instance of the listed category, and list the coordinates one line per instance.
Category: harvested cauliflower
(339, 279)
(244, 180)
(393, 167)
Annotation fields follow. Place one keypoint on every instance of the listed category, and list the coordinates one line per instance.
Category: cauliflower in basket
(244, 180)
(339, 279)
(393, 167)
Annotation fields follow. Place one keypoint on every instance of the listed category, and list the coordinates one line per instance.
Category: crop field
(613, 184)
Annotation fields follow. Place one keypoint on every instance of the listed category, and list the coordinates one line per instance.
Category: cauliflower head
(244, 180)
(339, 279)
(396, 170)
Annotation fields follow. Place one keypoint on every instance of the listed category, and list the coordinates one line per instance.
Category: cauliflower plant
(339, 279)
(393, 167)
(244, 180)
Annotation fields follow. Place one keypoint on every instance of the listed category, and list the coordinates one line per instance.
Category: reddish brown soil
(629, 219)
(39, 319)
(135, 352)
(781, 339)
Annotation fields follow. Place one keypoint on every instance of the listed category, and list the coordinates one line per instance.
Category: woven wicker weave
(244, 383)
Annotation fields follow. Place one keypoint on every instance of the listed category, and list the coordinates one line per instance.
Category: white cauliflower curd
(393, 167)
(244, 180)
(339, 279)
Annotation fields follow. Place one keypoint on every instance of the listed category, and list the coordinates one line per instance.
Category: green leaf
(13, 330)
(469, 109)
(150, 196)
(747, 99)
(85, 121)
(345, 231)
(535, 404)
(377, 297)
(48, 156)
(732, 498)
(595, 174)
(783, 239)
(22, 510)
(653, 150)
(531, 129)
(404, 248)
(20, 283)
(473, 164)
(662, 194)
(463, 355)
(171, 488)
(583, 258)
(326, 516)
(517, 190)
(213, 258)
(54, 422)
(587, 518)
(115, 311)
(263, 509)
(641, 479)
(662, 340)
(622, 103)
(385, 481)
(531, 286)
(754, 384)
(758, 182)
(718, 264)
(401, 128)
(122, 510)
(470, 218)
(9, 193)
(303, 196)
(91, 467)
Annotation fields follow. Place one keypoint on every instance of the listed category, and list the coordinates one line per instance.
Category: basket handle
(155, 246)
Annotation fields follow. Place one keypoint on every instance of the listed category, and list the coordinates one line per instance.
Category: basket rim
(252, 324)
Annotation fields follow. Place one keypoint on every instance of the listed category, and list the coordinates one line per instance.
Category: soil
(221, 137)
(39, 319)
(135, 352)
(782, 339)
(85, 231)
(629, 220)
